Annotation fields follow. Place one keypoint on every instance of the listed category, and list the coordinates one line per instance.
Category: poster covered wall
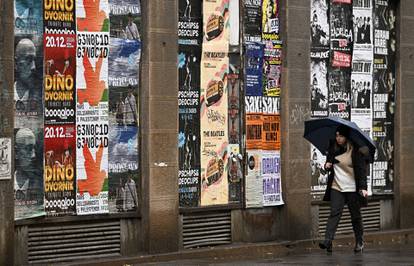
(362, 86)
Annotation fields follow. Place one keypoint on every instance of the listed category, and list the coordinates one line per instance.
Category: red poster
(59, 169)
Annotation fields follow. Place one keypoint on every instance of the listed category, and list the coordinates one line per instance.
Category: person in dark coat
(347, 184)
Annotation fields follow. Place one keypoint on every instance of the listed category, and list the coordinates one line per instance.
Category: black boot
(327, 244)
(359, 246)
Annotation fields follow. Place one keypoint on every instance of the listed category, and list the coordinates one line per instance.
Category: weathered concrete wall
(159, 125)
(6, 128)
(296, 222)
(404, 120)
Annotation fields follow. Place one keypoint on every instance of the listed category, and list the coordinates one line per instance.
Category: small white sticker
(5, 158)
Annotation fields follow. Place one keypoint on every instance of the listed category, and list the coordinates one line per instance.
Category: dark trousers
(338, 200)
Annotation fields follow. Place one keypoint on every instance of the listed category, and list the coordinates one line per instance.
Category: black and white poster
(339, 93)
(319, 83)
(189, 125)
(319, 174)
(190, 23)
(5, 158)
(384, 96)
(383, 166)
(319, 25)
(341, 37)
(252, 20)
(362, 27)
(361, 89)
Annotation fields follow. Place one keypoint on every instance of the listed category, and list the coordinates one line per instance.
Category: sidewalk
(272, 252)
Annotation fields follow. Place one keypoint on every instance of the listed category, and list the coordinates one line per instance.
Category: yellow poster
(214, 128)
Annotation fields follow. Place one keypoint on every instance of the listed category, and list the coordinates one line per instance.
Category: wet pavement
(402, 254)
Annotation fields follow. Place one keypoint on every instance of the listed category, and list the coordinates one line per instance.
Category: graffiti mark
(299, 114)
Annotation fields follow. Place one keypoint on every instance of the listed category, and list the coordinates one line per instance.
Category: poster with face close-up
(214, 128)
(28, 84)
(28, 175)
(254, 179)
(270, 20)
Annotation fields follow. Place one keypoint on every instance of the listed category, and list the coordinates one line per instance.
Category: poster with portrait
(272, 185)
(254, 179)
(319, 25)
(123, 168)
(59, 79)
(319, 83)
(189, 125)
(28, 175)
(59, 169)
(59, 16)
(92, 107)
(270, 20)
(252, 20)
(216, 24)
(339, 93)
(341, 38)
(254, 69)
(319, 174)
(190, 22)
(214, 128)
(28, 17)
(383, 166)
(272, 68)
(28, 81)
(384, 96)
(5, 158)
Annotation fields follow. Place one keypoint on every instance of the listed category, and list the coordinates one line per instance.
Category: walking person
(347, 184)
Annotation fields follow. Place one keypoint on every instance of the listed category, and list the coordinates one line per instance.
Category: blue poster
(254, 64)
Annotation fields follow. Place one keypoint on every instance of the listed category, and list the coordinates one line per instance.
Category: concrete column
(295, 15)
(6, 128)
(159, 126)
(404, 121)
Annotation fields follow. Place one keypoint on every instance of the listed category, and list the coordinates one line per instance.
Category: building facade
(162, 222)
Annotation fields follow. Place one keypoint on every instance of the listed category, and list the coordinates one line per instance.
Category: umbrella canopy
(320, 131)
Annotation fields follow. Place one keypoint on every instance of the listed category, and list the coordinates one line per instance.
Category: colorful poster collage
(210, 161)
(263, 68)
(62, 113)
(123, 75)
(28, 109)
(353, 74)
(190, 30)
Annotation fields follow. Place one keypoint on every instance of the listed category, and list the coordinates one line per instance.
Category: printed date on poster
(58, 41)
(54, 132)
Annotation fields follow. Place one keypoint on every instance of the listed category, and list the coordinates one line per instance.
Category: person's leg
(356, 219)
(337, 205)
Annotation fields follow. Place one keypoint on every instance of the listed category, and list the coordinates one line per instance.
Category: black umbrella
(320, 131)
